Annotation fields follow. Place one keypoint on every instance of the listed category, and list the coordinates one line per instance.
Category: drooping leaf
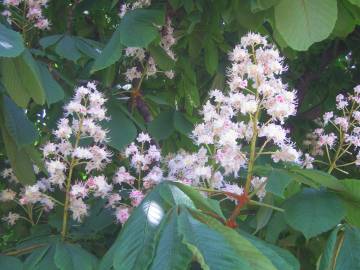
(122, 131)
(11, 42)
(304, 22)
(162, 126)
(138, 27)
(54, 92)
(314, 211)
(19, 159)
(22, 80)
(110, 54)
(66, 48)
(22, 131)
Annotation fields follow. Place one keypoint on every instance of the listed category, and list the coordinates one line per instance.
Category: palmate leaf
(10, 263)
(172, 228)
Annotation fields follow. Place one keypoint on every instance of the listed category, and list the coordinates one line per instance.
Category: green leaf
(162, 126)
(280, 258)
(171, 253)
(67, 48)
(162, 59)
(264, 214)
(205, 204)
(136, 244)
(260, 5)
(181, 124)
(138, 27)
(276, 225)
(247, 255)
(41, 259)
(22, 131)
(19, 160)
(351, 189)
(320, 178)
(277, 182)
(351, 199)
(22, 80)
(197, 237)
(355, 2)
(49, 41)
(54, 92)
(313, 211)
(11, 42)
(348, 257)
(110, 54)
(73, 257)
(326, 262)
(122, 130)
(345, 23)
(10, 263)
(88, 47)
(304, 22)
(211, 57)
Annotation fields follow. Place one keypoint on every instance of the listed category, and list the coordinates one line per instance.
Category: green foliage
(11, 42)
(138, 28)
(302, 23)
(313, 211)
(171, 227)
(175, 227)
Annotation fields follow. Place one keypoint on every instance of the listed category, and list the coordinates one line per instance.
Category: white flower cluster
(339, 133)
(33, 12)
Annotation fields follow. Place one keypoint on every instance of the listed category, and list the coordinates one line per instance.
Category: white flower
(78, 208)
(11, 218)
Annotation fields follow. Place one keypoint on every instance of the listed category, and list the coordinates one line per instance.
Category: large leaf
(304, 22)
(277, 181)
(137, 242)
(110, 54)
(326, 261)
(280, 258)
(349, 255)
(17, 124)
(122, 131)
(10, 263)
(162, 126)
(351, 197)
(313, 211)
(171, 252)
(73, 257)
(138, 28)
(320, 178)
(67, 48)
(162, 59)
(41, 259)
(249, 256)
(11, 42)
(22, 80)
(20, 160)
(54, 92)
(197, 237)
